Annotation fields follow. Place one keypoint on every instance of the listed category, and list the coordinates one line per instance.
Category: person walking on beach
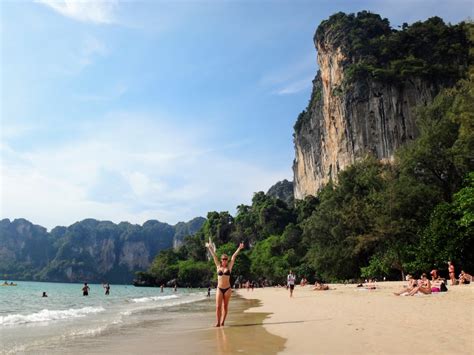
(290, 280)
(452, 275)
(85, 289)
(224, 291)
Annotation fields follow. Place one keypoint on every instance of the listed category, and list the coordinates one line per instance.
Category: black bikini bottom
(224, 290)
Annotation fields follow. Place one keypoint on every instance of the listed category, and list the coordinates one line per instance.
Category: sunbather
(412, 283)
(424, 288)
(318, 286)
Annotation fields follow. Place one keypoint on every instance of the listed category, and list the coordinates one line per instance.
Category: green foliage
(429, 49)
(164, 266)
(443, 154)
(450, 233)
(193, 273)
(267, 262)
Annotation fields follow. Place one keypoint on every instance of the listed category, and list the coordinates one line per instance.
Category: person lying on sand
(424, 288)
(438, 285)
(370, 285)
(464, 278)
(412, 283)
(318, 286)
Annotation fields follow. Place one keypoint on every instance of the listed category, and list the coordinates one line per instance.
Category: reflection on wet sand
(222, 342)
(244, 333)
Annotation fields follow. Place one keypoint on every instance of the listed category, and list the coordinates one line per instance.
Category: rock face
(282, 190)
(183, 229)
(90, 250)
(347, 119)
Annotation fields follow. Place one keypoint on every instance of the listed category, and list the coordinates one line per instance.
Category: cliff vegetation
(381, 219)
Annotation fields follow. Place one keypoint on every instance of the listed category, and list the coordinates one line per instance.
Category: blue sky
(158, 109)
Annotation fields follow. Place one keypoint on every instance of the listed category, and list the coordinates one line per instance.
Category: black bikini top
(220, 273)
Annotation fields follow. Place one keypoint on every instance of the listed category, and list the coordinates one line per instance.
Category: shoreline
(183, 330)
(347, 320)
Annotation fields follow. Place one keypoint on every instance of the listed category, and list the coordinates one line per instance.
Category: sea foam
(153, 298)
(47, 315)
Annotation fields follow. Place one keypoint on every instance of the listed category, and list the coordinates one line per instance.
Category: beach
(342, 320)
(350, 320)
(130, 321)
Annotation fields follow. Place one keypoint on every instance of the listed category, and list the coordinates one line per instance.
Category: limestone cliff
(365, 93)
(282, 190)
(88, 250)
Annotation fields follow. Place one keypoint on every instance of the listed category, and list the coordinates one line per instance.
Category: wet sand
(348, 320)
(185, 330)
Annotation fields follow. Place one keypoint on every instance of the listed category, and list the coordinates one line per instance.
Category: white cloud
(88, 51)
(293, 78)
(128, 167)
(94, 11)
(296, 86)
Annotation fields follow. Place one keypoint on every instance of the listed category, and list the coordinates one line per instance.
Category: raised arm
(213, 252)
(234, 256)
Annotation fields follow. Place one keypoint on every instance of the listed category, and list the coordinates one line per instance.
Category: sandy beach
(348, 320)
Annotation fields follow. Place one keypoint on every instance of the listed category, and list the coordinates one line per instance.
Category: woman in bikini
(412, 283)
(424, 288)
(224, 291)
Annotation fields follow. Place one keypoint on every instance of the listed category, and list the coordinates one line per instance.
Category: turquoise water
(29, 322)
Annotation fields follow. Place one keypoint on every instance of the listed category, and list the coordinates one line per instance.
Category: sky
(129, 111)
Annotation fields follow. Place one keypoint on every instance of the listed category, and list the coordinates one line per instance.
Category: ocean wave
(153, 298)
(47, 315)
(145, 304)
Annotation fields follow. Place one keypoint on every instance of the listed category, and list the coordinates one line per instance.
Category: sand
(348, 320)
(343, 320)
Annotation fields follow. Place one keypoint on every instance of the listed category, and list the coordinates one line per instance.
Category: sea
(30, 323)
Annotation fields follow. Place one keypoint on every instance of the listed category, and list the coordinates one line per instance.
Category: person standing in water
(224, 291)
(175, 287)
(209, 291)
(162, 287)
(85, 289)
(290, 279)
(107, 289)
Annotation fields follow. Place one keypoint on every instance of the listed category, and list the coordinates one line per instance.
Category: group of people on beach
(437, 284)
(5, 283)
(86, 289)
(291, 279)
